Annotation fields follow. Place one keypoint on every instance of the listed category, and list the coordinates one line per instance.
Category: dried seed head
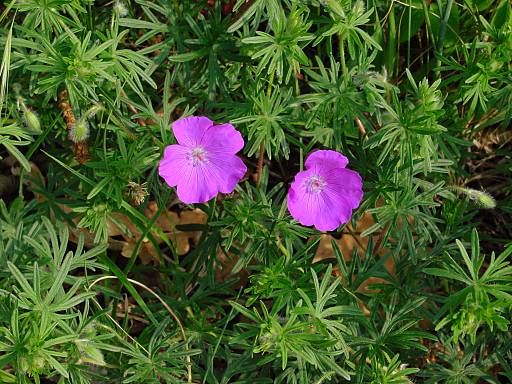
(137, 192)
(79, 131)
(82, 153)
(120, 8)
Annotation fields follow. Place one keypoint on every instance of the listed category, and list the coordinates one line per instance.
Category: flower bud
(38, 363)
(484, 199)
(30, 118)
(93, 110)
(481, 198)
(495, 65)
(23, 364)
(32, 122)
(84, 71)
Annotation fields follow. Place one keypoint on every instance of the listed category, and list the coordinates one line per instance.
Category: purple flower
(203, 163)
(325, 194)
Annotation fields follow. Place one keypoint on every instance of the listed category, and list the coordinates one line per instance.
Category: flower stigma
(315, 184)
(197, 156)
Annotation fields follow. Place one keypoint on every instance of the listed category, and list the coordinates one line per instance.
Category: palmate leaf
(267, 122)
(210, 48)
(335, 101)
(281, 54)
(348, 26)
(49, 15)
(9, 132)
(38, 322)
(254, 12)
(310, 333)
(54, 301)
(484, 294)
(75, 61)
(493, 281)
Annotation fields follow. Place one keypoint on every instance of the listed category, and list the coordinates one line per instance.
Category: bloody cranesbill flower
(325, 194)
(203, 163)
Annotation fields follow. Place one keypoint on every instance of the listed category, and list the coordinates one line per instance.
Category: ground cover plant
(255, 191)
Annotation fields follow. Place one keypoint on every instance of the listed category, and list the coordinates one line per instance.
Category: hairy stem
(342, 56)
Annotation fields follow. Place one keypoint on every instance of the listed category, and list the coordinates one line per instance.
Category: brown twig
(360, 126)
(380, 240)
(357, 240)
(132, 109)
(80, 148)
(260, 163)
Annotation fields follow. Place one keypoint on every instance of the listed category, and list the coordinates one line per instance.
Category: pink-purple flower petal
(196, 186)
(223, 138)
(325, 194)
(174, 161)
(326, 159)
(204, 162)
(348, 185)
(228, 170)
(190, 131)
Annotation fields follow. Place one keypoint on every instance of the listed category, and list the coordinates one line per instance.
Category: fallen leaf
(349, 242)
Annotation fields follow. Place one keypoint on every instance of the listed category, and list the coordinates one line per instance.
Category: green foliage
(347, 25)
(105, 278)
(44, 328)
(305, 333)
(392, 373)
(484, 296)
(286, 46)
(459, 366)
(267, 119)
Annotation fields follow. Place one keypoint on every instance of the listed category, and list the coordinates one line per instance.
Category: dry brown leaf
(120, 225)
(350, 241)
(147, 252)
(224, 268)
(167, 222)
(30, 178)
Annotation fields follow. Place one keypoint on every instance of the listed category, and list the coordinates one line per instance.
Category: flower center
(315, 184)
(197, 156)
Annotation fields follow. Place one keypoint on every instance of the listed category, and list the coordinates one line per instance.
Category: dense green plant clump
(106, 277)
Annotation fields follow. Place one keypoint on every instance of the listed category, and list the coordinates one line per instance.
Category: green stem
(442, 32)
(342, 55)
(409, 34)
(392, 45)
(271, 81)
(430, 34)
(259, 170)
